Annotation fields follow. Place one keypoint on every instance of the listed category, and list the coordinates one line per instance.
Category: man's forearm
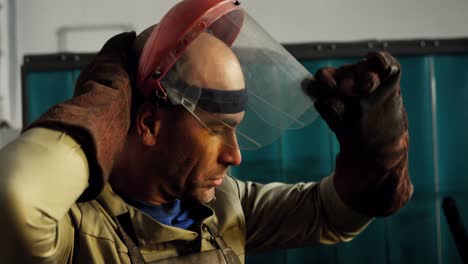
(295, 215)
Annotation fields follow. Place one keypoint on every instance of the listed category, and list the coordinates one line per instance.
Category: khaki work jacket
(43, 173)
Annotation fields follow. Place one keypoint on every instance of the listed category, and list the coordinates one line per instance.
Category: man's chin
(204, 195)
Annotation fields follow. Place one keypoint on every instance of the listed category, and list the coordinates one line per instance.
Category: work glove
(98, 115)
(362, 105)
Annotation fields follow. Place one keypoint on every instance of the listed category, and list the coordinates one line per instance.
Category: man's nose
(230, 154)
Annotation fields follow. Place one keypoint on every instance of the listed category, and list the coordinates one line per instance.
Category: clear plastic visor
(252, 89)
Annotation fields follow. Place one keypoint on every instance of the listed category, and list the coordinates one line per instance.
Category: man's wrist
(342, 217)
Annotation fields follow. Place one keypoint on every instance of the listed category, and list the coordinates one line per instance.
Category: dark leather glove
(363, 106)
(98, 115)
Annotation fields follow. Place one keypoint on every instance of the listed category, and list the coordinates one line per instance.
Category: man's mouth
(216, 181)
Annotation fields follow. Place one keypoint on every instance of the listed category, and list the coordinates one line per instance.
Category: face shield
(228, 72)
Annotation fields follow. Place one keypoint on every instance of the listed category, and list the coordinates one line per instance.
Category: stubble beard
(203, 195)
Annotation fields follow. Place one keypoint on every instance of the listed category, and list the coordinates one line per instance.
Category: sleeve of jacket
(280, 216)
(43, 173)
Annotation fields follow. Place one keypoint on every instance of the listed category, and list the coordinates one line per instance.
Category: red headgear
(177, 29)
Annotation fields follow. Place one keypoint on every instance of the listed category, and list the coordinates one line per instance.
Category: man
(165, 150)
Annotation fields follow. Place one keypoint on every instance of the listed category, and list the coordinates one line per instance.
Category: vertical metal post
(2, 55)
(14, 93)
(1, 108)
(435, 155)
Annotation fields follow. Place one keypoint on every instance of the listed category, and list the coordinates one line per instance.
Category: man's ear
(148, 122)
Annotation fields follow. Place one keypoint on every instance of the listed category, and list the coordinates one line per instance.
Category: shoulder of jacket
(91, 219)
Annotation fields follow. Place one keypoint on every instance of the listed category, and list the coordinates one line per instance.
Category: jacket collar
(149, 232)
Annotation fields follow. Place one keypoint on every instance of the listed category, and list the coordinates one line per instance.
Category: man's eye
(217, 131)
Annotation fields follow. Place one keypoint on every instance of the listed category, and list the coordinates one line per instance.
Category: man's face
(194, 156)
(196, 147)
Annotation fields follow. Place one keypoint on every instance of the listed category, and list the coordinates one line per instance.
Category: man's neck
(129, 178)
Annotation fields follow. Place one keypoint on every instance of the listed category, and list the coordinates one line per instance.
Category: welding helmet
(272, 99)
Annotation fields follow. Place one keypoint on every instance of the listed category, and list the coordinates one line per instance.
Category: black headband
(218, 101)
(221, 101)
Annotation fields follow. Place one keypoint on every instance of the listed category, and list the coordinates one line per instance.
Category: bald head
(210, 63)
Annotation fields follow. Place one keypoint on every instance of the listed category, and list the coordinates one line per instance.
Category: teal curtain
(451, 77)
(47, 88)
(435, 92)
